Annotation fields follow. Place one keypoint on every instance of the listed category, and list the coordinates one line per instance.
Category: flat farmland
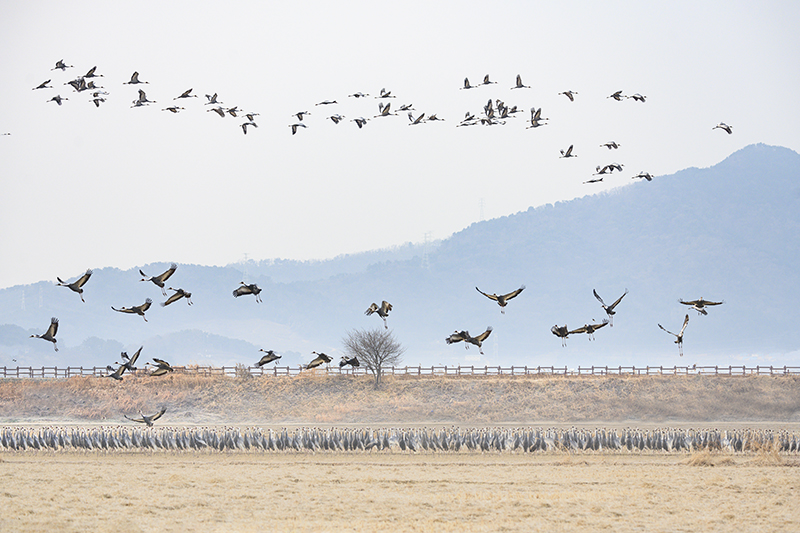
(42, 491)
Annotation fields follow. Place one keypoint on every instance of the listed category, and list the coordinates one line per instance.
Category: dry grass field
(342, 400)
(401, 492)
(385, 491)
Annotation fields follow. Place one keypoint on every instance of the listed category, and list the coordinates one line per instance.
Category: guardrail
(450, 371)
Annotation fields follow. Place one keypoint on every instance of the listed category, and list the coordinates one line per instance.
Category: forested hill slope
(728, 232)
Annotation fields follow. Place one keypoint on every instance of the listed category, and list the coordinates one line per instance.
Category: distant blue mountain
(728, 232)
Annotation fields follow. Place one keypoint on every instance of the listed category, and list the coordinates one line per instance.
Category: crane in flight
(77, 285)
(468, 339)
(589, 329)
(245, 289)
(382, 311)
(138, 309)
(50, 334)
(145, 419)
(161, 278)
(502, 299)
(678, 336)
(700, 305)
(268, 357)
(609, 309)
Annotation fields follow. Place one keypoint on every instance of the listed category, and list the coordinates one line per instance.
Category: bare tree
(374, 348)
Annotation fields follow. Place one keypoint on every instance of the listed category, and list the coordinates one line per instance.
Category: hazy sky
(86, 187)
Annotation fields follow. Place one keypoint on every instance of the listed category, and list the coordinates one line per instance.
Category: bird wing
(612, 306)
(600, 325)
(519, 80)
(241, 291)
(386, 307)
(144, 307)
(53, 329)
(490, 296)
(706, 302)
(692, 303)
(140, 420)
(514, 294)
(581, 329)
(159, 372)
(165, 275)
(569, 151)
(482, 337)
(598, 297)
(668, 331)
(175, 297)
(559, 331)
(135, 356)
(158, 414)
(371, 309)
(83, 279)
(685, 322)
(161, 362)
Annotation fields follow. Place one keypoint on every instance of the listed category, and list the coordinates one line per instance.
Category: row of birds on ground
(162, 367)
(495, 112)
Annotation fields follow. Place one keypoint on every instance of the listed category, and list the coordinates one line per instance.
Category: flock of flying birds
(495, 112)
(161, 367)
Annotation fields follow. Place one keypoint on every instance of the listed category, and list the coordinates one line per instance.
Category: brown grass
(320, 399)
(401, 492)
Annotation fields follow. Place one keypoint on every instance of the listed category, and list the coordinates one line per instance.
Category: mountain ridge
(723, 232)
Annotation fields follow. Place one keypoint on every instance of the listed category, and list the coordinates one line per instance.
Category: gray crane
(138, 309)
(383, 311)
(502, 299)
(161, 278)
(678, 336)
(50, 334)
(76, 285)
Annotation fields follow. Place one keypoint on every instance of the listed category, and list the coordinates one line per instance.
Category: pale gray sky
(84, 187)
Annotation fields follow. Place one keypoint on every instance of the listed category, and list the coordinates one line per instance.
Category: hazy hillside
(728, 232)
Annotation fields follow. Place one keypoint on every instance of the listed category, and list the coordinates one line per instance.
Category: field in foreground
(455, 492)
(321, 399)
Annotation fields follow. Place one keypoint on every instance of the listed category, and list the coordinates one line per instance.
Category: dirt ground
(131, 492)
